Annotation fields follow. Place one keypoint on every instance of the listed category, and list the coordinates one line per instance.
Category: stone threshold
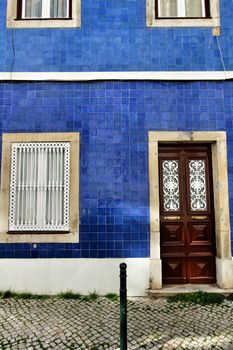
(167, 290)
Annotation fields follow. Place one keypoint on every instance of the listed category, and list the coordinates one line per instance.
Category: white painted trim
(89, 76)
(52, 276)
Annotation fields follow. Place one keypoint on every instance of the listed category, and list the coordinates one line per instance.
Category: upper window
(182, 9)
(39, 187)
(43, 13)
(44, 9)
(184, 13)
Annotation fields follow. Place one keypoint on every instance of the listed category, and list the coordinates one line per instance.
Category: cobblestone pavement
(152, 324)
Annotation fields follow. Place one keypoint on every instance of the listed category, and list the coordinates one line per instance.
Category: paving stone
(152, 324)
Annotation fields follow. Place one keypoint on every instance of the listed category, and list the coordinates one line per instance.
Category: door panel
(200, 234)
(201, 270)
(174, 270)
(186, 214)
(173, 235)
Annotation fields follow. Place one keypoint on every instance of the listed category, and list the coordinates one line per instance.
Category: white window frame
(161, 22)
(45, 21)
(54, 234)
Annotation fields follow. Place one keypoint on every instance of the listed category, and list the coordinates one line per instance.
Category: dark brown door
(186, 214)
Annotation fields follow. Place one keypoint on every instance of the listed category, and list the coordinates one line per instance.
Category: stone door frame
(217, 139)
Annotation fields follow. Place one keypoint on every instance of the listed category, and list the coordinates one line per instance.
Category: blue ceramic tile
(117, 41)
(114, 192)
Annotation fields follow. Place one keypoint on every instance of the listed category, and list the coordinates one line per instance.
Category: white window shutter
(39, 190)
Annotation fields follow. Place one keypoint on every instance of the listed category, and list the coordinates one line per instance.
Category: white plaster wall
(224, 270)
(52, 276)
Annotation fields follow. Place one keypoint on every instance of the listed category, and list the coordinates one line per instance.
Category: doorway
(187, 229)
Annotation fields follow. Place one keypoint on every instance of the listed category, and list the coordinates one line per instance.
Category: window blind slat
(22, 186)
(60, 194)
(18, 189)
(34, 187)
(49, 186)
(57, 189)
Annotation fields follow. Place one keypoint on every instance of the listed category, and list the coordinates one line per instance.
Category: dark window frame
(20, 10)
(207, 11)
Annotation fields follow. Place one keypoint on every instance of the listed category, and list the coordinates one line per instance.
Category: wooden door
(186, 214)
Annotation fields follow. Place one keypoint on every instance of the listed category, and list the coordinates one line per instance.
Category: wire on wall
(221, 55)
(13, 49)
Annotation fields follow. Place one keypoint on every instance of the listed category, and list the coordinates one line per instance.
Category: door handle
(199, 217)
(171, 217)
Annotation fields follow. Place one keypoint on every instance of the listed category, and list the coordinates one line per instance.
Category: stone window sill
(187, 22)
(44, 23)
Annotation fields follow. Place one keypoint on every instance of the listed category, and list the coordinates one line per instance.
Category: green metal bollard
(123, 307)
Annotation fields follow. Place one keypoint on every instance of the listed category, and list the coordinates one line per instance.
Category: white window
(44, 9)
(182, 8)
(183, 13)
(39, 190)
(39, 194)
(43, 13)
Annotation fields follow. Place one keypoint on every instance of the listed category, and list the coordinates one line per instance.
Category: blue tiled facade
(114, 37)
(113, 119)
